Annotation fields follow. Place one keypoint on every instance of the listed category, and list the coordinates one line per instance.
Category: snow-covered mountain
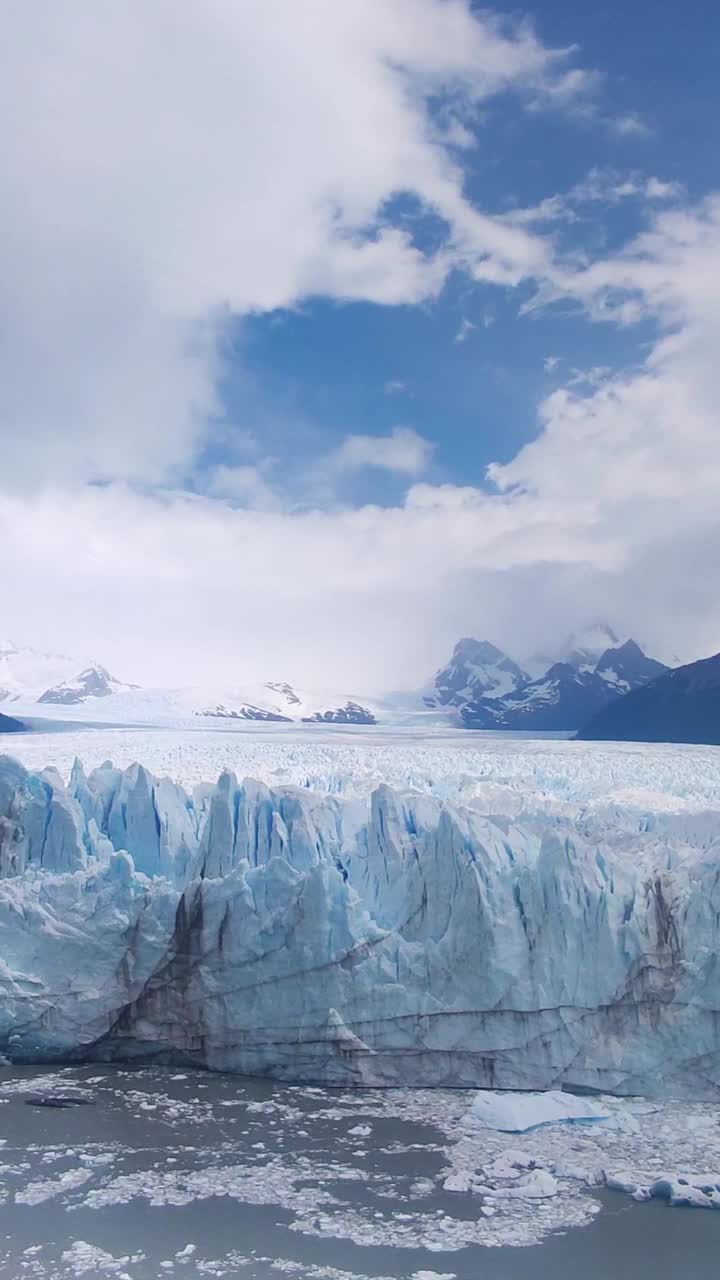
(84, 698)
(681, 706)
(558, 700)
(25, 674)
(477, 669)
(397, 939)
(350, 713)
(93, 682)
(282, 703)
(481, 687)
(44, 684)
(568, 695)
(627, 667)
(30, 676)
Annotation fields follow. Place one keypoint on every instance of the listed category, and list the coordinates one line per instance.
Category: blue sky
(356, 327)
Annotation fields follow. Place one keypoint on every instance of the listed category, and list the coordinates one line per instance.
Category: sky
(331, 332)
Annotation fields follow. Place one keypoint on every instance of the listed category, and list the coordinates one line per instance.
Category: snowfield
(365, 908)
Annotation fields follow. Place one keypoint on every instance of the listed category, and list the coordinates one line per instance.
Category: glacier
(385, 938)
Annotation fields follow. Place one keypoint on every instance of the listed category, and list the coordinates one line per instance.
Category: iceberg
(523, 1112)
(395, 938)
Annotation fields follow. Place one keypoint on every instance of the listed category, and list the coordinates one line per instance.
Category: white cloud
(173, 166)
(167, 166)
(403, 451)
(640, 447)
(245, 485)
(629, 126)
(465, 329)
(160, 587)
(598, 187)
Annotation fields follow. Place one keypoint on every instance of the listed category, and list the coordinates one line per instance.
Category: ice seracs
(389, 939)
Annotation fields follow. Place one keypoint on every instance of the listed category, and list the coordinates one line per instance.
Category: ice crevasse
(338, 939)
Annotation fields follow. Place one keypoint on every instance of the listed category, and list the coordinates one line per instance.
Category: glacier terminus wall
(390, 939)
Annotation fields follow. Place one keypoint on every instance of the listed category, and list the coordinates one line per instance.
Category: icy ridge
(389, 939)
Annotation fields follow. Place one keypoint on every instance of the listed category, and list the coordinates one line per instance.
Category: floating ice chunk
(47, 1188)
(536, 1185)
(692, 1191)
(458, 1182)
(87, 1259)
(523, 1112)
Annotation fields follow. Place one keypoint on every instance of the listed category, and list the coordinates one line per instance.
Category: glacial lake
(162, 1172)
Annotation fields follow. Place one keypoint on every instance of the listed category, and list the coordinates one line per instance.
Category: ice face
(390, 939)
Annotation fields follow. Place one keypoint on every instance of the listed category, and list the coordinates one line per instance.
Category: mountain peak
(630, 648)
(479, 651)
(627, 666)
(93, 682)
(680, 705)
(476, 669)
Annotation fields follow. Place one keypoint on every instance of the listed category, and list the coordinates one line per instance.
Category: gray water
(185, 1174)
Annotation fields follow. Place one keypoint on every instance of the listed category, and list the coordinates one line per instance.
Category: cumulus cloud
(174, 167)
(403, 451)
(167, 167)
(243, 484)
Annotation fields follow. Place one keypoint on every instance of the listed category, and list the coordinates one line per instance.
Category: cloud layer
(169, 168)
